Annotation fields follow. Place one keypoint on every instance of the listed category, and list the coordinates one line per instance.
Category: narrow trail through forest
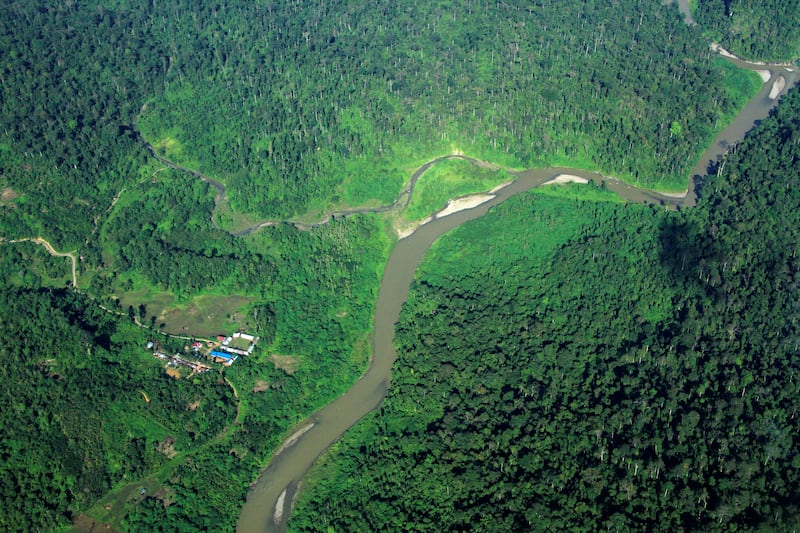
(52, 251)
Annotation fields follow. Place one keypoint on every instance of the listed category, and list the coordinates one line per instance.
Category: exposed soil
(7, 195)
(287, 363)
(85, 524)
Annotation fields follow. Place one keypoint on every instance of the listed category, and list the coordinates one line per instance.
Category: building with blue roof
(225, 358)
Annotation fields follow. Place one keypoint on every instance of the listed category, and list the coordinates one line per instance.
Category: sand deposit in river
(460, 204)
(501, 186)
(777, 87)
(566, 178)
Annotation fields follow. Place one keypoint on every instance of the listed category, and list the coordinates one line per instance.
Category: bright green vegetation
(297, 108)
(308, 295)
(448, 179)
(753, 29)
(575, 365)
(344, 101)
(310, 298)
(75, 421)
(300, 106)
(27, 264)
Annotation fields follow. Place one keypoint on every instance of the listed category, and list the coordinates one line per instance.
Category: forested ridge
(297, 105)
(754, 29)
(576, 365)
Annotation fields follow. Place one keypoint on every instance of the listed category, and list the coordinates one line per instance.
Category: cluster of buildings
(225, 351)
(176, 360)
(231, 347)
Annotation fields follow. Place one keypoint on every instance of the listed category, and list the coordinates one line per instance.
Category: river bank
(269, 502)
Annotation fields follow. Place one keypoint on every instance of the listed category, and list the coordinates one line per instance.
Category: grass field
(202, 316)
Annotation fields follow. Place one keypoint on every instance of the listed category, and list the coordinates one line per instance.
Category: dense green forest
(316, 102)
(297, 105)
(753, 29)
(294, 107)
(67, 358)
(75, 421)
(580, 365)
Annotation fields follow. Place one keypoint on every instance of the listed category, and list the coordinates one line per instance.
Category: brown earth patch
(166, 495)
(260, 385)
(8, 195)
(86, 524)
(287, 363)
(174, 373)
(167, 447)
(194, 405)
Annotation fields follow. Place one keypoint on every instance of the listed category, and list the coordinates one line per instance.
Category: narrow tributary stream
(270, 500)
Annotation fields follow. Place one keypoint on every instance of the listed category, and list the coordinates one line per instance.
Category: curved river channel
(269, 502)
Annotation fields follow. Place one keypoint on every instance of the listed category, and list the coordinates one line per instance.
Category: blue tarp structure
(222, 355)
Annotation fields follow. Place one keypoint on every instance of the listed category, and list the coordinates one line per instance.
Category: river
(269, 502)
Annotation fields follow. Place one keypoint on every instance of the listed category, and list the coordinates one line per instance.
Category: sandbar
(765, 75)
(291, 440)
(715, 47)
(460, 204)
(677, 195)
(777, 87)
(279, 507)
(566, 178)
(405, 231)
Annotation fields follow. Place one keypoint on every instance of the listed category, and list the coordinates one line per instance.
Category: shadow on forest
(682, 247)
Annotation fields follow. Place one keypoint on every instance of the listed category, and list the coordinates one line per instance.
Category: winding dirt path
(52, 251)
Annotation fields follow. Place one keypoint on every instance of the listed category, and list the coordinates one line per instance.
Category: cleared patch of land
(287, 363)
(203, 316)
(8, 195)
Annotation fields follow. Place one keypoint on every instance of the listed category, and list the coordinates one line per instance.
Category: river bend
(269, 502)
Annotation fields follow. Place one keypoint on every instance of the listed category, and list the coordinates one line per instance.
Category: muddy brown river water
(269, 502)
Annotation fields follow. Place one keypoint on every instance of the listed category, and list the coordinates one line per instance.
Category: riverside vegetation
(296, 108)
(755, 29)
(580, 364)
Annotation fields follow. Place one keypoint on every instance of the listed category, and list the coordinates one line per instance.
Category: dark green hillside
(754, 29)
(300, 105)
(75, 421)
(573, 365)
(309, 103)
(73, 79)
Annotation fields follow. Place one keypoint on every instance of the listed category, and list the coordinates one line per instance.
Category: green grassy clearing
(230, 219)
(449, 179)
(202, 315)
